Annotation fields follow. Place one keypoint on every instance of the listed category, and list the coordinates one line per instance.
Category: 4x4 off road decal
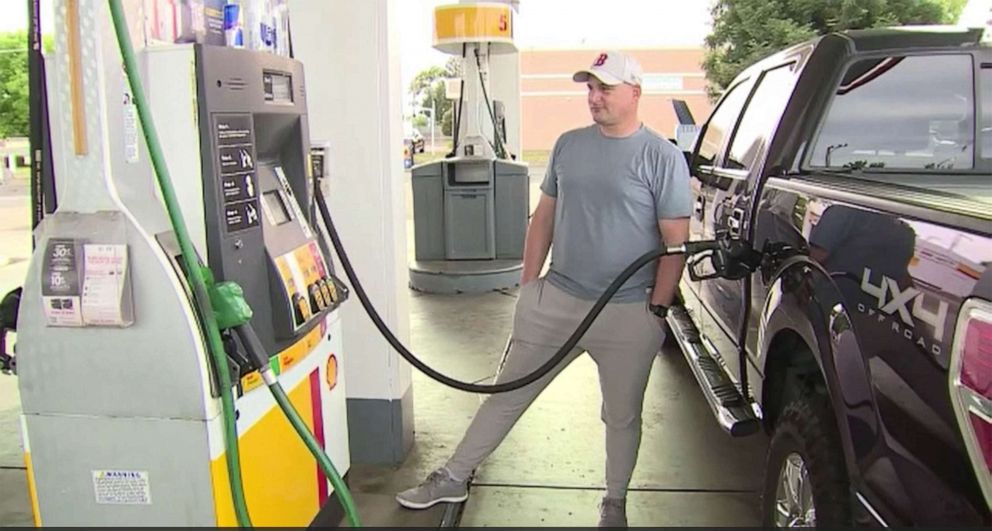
(908, 303)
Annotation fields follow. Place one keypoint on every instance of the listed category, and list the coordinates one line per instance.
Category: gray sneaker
(613, 512)
(438, 487)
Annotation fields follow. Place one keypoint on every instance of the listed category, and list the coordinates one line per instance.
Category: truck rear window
(901, 112)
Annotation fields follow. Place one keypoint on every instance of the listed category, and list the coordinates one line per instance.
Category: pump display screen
(278, 87)
(275, 208)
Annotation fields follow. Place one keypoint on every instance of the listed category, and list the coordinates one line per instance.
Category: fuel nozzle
(8, 323)
(728, 258)
(255, 351)
(8, 364)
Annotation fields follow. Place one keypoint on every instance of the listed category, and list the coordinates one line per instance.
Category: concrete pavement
(548, 471)
(15, 254)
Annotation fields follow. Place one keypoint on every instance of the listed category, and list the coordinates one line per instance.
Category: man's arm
(666, 280)
(538, 240)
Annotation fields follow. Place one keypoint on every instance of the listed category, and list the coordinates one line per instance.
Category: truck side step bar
(730, 409)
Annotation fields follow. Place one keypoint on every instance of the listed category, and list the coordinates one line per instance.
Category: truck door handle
(734, 222)
(698, 207)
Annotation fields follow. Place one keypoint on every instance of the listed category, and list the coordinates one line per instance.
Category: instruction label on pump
(60, 286)
(233, 129)
(236, 166)
(122, 487)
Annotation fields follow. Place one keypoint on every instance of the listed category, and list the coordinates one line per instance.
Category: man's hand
(538, 240)
(673, 232)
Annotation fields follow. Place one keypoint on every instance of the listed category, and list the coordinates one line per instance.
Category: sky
(15, 14)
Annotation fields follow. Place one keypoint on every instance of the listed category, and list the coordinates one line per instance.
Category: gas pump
(139, 368)
(125, 417)
(471, 208)
(239, 146)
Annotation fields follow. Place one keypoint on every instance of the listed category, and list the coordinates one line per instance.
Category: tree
(448, 121)
(427, 88)
(13, 84)
(745, 31)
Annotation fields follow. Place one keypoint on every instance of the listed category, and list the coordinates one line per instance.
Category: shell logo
(331, 372)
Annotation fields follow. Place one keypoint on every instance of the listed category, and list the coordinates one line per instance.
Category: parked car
(407, 154)
(859, 164)
(416, 141)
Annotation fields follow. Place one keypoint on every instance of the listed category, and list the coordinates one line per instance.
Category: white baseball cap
(612, 68)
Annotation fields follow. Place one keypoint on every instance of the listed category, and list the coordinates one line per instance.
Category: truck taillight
(970, 378)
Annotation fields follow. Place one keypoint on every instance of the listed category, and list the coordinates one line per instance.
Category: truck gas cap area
(627, 292)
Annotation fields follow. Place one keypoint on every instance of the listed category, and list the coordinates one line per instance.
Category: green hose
(194, 272)
(256, 352)
(344, 495)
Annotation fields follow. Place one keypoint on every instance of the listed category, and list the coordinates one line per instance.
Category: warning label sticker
(122, 487)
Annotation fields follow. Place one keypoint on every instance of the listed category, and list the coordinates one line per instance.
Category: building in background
(551, 103)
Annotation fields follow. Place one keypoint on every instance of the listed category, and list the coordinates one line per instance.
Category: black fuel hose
(687, 248)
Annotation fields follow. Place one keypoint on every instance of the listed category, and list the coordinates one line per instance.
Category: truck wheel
(805, 479)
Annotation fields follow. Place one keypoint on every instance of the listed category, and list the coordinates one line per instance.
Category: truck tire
(806, 449)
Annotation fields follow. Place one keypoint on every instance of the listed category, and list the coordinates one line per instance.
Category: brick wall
(551, 103)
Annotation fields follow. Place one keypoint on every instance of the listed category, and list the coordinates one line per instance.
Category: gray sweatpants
(623, 342)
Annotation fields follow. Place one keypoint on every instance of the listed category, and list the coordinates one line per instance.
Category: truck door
(705, 182)
(730, 216)
(725, 192)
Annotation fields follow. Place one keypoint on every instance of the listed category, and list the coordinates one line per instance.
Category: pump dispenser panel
(257, 189)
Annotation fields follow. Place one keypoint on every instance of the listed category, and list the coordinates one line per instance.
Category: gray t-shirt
(610, 193)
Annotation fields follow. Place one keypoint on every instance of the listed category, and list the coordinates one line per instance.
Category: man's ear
(637, 91)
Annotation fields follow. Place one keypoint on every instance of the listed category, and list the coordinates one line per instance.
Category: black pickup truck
(860, 165)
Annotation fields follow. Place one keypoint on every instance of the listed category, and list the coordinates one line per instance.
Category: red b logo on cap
(600, 60)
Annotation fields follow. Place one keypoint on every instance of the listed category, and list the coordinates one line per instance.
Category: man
(613, 191)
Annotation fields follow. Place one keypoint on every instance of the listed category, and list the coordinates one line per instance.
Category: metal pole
(433, 121)
(42, 183)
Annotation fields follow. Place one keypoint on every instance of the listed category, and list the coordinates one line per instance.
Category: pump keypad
(317, 297)
(327, 288)
(307, 282)
(301, 309)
